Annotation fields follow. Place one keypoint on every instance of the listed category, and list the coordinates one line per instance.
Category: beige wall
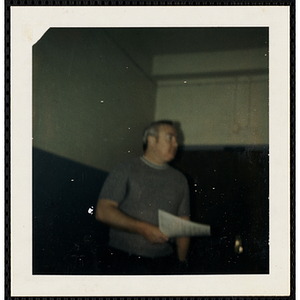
(94, 92)
(222, 101)
(90, 101)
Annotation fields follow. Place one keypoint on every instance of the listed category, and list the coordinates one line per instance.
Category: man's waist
(134, 244)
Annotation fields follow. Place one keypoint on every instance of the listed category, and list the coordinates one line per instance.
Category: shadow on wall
(229, 191)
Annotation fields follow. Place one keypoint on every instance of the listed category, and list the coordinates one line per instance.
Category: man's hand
(153, 234)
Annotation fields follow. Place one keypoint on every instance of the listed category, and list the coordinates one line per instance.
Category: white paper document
(173, 226)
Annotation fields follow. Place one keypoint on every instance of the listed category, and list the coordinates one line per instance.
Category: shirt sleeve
(115, 185)
(184, 208)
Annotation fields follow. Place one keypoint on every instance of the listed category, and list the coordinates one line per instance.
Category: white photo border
(28, 24)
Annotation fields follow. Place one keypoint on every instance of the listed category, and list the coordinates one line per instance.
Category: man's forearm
(107, 211)
(183, 244)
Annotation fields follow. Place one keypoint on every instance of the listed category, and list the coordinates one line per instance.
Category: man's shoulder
(177, 173)
(128, 163)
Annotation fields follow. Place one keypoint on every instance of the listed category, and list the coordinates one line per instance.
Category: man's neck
(154, 165)
(153, 159)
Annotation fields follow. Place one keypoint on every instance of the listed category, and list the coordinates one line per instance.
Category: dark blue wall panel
(66, 236)
(229, 190)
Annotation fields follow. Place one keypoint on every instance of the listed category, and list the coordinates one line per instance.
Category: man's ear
(151, 140)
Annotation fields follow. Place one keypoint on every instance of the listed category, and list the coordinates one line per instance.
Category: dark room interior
(95, 90)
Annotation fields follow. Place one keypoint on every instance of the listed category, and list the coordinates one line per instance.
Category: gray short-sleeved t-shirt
(141, 188)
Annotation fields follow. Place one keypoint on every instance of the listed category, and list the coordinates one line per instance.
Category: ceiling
(140, 45)
(159, 41)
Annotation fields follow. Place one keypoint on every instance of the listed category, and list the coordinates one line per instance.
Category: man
(129, 203)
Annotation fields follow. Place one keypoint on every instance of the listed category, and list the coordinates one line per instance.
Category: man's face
(166, 143)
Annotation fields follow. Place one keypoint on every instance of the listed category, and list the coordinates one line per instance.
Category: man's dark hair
(153, 130)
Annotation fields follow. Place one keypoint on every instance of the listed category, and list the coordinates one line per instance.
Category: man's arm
(183, 244)
(108, 212)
